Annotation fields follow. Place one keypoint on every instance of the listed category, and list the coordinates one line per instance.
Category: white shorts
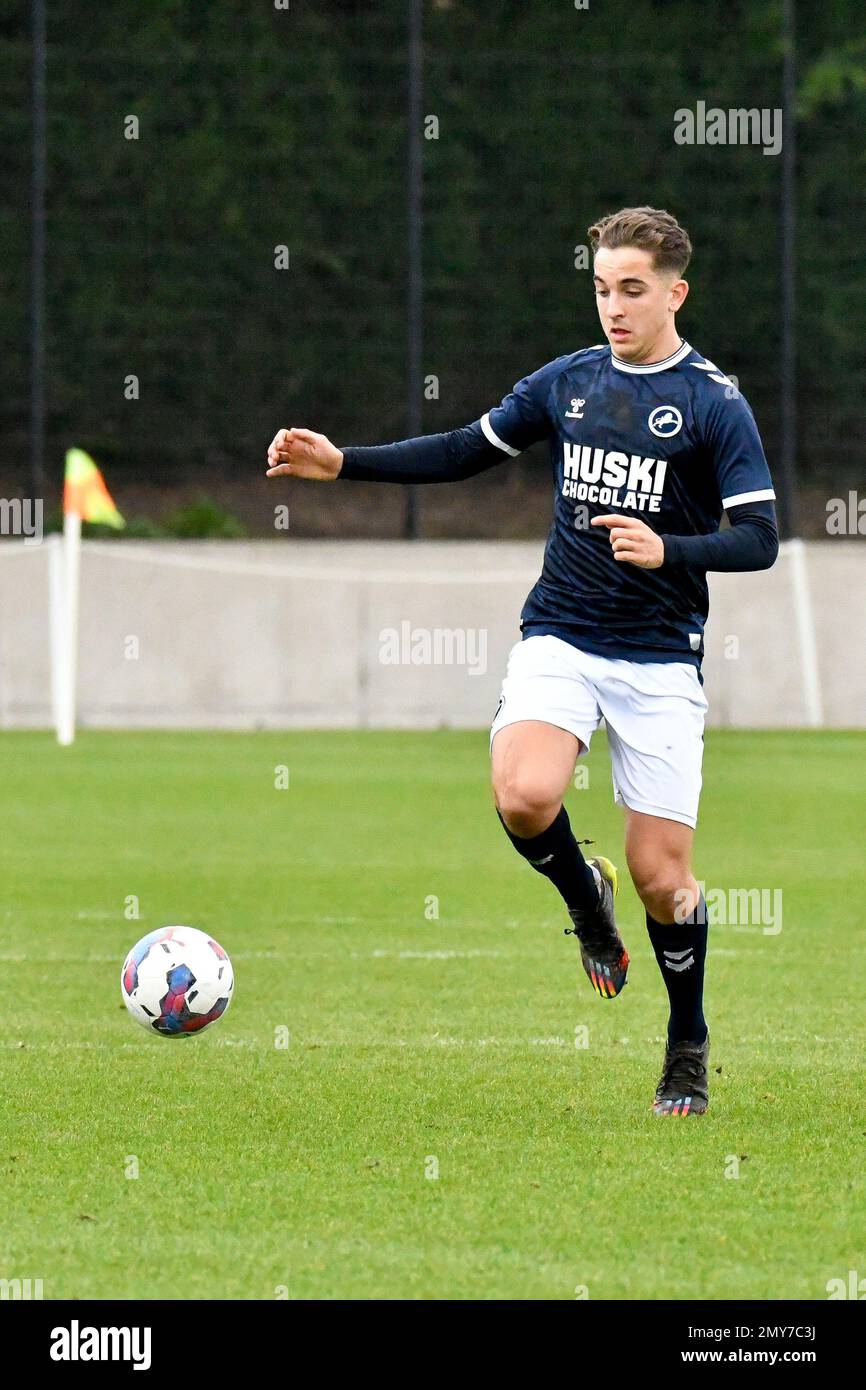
(654, 713)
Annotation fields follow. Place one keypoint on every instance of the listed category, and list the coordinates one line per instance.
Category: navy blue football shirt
(673, 443)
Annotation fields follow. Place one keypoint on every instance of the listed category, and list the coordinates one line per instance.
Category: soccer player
(650, 443)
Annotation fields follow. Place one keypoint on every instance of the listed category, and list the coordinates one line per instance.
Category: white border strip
(128, 550)
(806, 638)
(491, 435)
(765, 494)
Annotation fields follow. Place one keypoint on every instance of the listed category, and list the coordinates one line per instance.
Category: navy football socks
(680, 949)
(556, 854)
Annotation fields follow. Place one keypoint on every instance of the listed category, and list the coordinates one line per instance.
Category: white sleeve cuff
(493, 437)
(765, 494)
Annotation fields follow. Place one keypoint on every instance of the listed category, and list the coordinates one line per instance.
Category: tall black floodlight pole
(37, 262)
(789, 275)
(415, 283)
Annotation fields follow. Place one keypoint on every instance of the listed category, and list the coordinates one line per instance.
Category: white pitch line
(437, 955)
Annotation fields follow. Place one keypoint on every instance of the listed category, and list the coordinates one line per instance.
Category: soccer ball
(176, 981)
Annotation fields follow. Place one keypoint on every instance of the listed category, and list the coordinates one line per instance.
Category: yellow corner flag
(85, 493)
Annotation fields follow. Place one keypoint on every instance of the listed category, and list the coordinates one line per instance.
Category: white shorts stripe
(490, 433)
(765, 494)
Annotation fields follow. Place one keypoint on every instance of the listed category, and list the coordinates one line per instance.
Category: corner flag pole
(56, 623)
(85, 497)
(66, 628)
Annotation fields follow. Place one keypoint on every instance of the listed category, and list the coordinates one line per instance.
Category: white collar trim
(643, 369)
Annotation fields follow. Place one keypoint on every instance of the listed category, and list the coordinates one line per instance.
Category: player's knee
(662, 887)
(526, 802)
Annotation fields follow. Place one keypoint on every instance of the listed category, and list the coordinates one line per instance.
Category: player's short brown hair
(651, 229)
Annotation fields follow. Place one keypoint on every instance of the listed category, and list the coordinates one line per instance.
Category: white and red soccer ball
(176, 981)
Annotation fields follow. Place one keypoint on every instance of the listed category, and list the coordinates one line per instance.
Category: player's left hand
(633, 541)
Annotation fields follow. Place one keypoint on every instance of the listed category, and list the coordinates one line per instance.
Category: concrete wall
(268, 634)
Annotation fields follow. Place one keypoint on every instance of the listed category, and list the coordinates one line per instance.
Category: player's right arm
(504, 432)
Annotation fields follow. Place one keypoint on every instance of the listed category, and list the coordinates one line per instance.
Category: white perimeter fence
(346, 634)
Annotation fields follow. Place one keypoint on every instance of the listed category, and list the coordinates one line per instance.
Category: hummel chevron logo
(715, 374)
(676, 960)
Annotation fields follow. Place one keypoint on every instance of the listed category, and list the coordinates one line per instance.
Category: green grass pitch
(417, 1045)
